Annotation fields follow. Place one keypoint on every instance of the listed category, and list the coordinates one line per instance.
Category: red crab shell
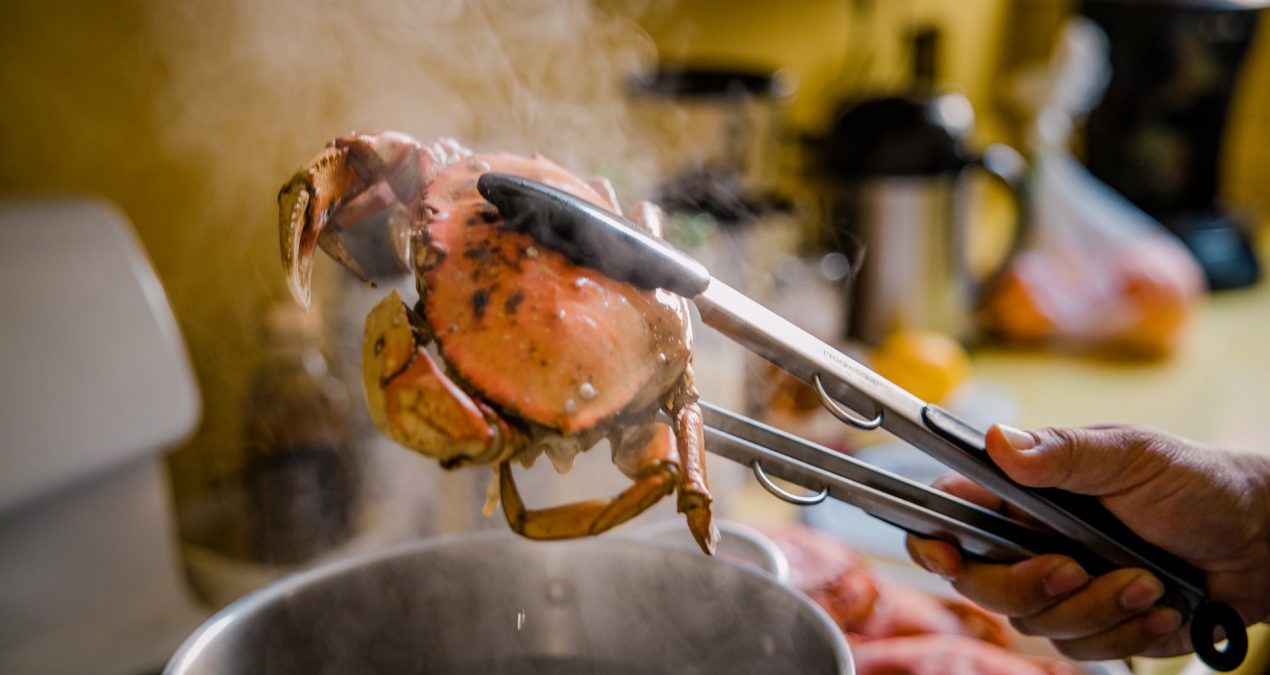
(526, 330)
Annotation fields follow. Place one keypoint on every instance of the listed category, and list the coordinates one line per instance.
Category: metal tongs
(1082, 528)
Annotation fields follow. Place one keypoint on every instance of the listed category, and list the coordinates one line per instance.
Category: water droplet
(661, 357)
(562, 456)
(570, 406)
(557, 591)
(835, 266)
(560, 314)
(531, 251)
(580, 282)
(587, 391)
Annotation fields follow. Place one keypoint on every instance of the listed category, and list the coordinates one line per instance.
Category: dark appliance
(1158, 133)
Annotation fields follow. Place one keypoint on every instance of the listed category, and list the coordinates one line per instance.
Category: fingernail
(1141, 593)
(931, 563)
(1161, 621)
(1067, 578)
(1017, 438)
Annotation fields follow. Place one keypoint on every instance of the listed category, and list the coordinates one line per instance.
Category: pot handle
(1004, 164)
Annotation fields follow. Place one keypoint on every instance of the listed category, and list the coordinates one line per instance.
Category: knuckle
(1065, 437)
(1024, 585)
(1062, 448)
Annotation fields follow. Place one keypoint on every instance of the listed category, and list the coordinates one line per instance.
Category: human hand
(1209, 507)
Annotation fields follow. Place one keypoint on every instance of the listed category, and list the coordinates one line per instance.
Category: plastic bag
(1097, 270)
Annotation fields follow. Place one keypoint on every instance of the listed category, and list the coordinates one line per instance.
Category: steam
(254, 89)
(257, 88)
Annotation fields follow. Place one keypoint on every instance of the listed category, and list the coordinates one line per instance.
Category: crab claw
(412, 401)
(355, 179)
(305, 204)
(297, 256)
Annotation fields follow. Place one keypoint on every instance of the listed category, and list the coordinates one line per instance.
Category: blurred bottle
(300, 473)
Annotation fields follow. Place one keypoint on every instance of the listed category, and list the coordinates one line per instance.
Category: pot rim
(185, 656)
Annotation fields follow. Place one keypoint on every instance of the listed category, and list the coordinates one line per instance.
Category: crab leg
(653, 467)
(694, 493)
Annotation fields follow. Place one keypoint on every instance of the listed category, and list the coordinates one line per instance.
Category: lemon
(929, 364)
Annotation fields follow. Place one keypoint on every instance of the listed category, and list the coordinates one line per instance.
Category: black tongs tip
(590, 236)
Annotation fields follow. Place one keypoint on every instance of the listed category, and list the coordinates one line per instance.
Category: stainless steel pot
(499, 604)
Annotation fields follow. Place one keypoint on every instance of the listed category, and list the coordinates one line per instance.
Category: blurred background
(1037, 212)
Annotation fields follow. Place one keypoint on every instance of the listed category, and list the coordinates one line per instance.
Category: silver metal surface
(738, 543)
(496, 603)
(914, 272)
(886, 496)
(844, 415)
(784, 495)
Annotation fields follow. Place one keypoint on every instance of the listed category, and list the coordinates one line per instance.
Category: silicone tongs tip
(591, 236)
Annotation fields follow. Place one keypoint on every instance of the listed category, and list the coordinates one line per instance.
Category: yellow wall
(1246, 161)
(842, 49)
(834, 48)
(78, 82)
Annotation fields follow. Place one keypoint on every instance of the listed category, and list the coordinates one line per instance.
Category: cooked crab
(511, 351)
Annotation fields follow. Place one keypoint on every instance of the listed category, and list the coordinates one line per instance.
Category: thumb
(1091, 460)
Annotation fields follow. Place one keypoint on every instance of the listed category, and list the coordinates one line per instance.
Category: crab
(511, 351)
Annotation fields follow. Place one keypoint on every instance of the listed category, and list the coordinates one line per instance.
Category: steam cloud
(257, 88)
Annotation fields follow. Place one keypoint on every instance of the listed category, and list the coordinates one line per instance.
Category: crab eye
(379, 345)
